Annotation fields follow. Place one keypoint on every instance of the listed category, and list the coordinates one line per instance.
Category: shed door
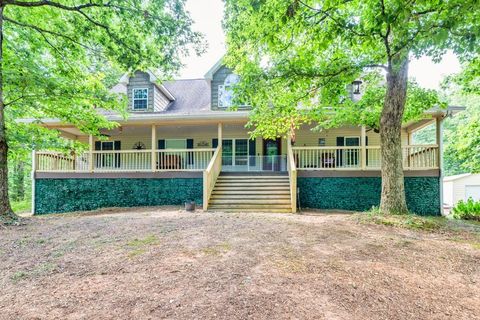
(472, 192)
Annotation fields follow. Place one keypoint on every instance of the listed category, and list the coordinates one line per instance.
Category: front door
(272, 149)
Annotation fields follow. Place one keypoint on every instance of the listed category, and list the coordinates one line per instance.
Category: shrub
(467, 210)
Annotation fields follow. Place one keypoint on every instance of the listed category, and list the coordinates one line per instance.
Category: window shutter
(117, 145)
(340, 143)
(190, 154)
(161, 144)
(214, 143)
(366, 144)
(252, 145)
(97, 157)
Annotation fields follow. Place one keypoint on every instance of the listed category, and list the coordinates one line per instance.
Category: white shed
(461, 187)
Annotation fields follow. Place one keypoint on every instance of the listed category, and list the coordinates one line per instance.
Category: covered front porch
(200, 152)
(191, 147)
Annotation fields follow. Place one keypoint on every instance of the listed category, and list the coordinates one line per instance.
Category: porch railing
(415, 157)
(292, 175)
(125, 160)
(58, 162)
(210, 176)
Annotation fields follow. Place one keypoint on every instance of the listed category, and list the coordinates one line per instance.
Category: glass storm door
(227, 152)
(271, 152)
(352, 155)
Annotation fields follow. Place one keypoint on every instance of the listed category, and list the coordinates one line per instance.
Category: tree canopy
(298, 55)
(59, 59)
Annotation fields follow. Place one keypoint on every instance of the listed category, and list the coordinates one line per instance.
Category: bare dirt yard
(161, 263)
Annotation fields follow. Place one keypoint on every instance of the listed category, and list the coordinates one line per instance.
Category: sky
(208, 15)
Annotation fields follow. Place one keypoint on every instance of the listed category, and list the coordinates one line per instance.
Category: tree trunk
(6, 213)
(393, 189)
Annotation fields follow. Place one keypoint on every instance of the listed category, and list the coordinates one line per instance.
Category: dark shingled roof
(191, 96)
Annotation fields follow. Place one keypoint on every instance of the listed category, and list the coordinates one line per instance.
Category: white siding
(160, 100)
(448, 193)
(205, 133)
(455, 189)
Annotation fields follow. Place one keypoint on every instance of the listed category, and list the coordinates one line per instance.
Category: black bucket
(190, 206)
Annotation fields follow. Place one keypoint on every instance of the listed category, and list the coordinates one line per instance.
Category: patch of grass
(289, 260)
(138, 247)
(151, 239)
(64, 248)
(21, 206)
(19, 275)
(462, 229)
(407, 221)
(475, 245)
(136, 252)
(40, 270)
(217, 250)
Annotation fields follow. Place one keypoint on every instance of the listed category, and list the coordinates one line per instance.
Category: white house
(461, 187)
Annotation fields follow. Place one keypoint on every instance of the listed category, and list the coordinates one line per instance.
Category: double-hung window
(140, 99)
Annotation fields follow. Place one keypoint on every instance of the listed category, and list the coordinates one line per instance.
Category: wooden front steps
(261, 193)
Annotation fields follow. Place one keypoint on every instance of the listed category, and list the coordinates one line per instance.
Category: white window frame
(135, 99)
(234, 144)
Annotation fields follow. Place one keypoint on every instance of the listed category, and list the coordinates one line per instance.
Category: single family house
(182, 142)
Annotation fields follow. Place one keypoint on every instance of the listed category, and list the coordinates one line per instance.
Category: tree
(53, 57)
(296, 59)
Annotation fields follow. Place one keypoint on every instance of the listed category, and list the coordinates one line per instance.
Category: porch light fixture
(356, 86)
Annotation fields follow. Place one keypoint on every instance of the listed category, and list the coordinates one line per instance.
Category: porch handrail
(210, 176)
(327, 148)
(292, 175)
(124, 160)
(415, 157)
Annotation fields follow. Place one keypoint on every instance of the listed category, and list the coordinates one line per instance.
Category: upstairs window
(225, 91)
(140, 99)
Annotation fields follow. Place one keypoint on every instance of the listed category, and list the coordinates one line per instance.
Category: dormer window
(140, 99)
(225, 91)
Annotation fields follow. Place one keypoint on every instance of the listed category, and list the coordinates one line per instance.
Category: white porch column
(90, 154)
(154, 153)
(439, 139)
(220, 134)
(34, 169)
(364, 148)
